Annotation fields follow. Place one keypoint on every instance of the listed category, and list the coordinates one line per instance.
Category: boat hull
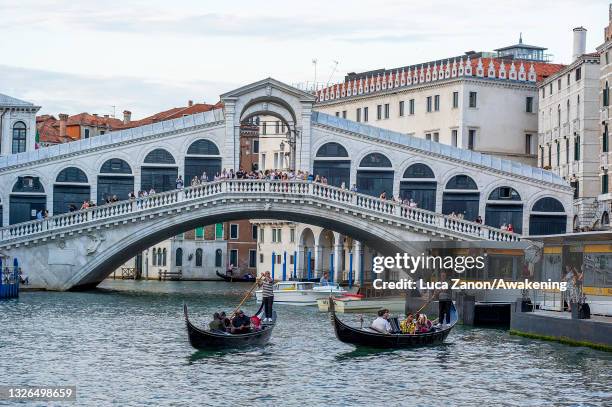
(207, 340)
(240, 279)
(297, 297)
(367, 338)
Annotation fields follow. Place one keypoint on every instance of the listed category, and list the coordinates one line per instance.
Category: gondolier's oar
(424, 305)
(245, 298)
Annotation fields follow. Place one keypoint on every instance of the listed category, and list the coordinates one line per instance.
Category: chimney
(95, 114)
(63, 119)
(127, 116)
(579, 43)
(190, 103)
(106, 116)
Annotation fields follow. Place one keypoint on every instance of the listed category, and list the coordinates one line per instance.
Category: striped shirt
(267, 289)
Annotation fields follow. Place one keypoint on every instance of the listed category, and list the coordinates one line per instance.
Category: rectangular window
(471, 139)
(454, 138)
(428, 136)
(255, 147)
(436, 137)
(455, 100)
(527, 143)
(219, 231)
(263, 161)
(277, 127)
(411, 106)
(344, 114)
(386, 110)
(604, 183)
(428, 104)
(567, 148)
(86, 133)
(529, 104)
(365, 114)
(261, 258)
(252, 258)
(578, 74)
(378, 112)
(576, 186)
(199, 233)
(337, 114)
(541, 156)
(276, 235)
(254, 232)
(358, 114)
(401, 108)
(568, 79)
(576, 148)
(437, 103)
(292, 235)
(233, 231)
(261, 233)
(473, 101)
(604, 141)
(543, 92)
(559, 84)
(102, 132)
(558, 153)
(550, 89)
(234, 257)
(264, 128)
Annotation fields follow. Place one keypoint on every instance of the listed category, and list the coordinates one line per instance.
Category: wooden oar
(245, 298)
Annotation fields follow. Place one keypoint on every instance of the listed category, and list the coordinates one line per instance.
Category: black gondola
(241, 279)
(205, 339)
(369, 337)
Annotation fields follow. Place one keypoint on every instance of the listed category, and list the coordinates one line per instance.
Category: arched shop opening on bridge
(548, 217)
(419, 184)
(115, 179)
(159, 171)
(27, 199)
(504, 206)
(375, 175)
(326, 246)
(461, 197)
(332, 162)
(202, 157)
(307, 244)
(71, 188)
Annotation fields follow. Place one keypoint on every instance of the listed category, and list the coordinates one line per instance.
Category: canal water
(125, 344)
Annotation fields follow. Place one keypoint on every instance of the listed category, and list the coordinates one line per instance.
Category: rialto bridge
(75, 249)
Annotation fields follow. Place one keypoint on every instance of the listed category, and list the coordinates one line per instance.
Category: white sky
(150, 55)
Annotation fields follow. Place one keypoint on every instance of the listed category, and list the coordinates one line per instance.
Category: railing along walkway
(244, 188)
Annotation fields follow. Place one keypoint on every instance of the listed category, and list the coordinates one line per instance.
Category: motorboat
(302, 293)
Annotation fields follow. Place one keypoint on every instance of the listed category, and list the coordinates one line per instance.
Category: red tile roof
(172, 114)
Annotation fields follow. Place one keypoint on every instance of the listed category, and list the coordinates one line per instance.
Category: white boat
(301, 293)
(367, 305)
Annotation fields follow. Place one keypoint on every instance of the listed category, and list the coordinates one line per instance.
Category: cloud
(59, 92)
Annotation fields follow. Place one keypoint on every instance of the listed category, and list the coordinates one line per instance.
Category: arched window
(159, 156)
(375, 160)
(115, 166)
(164, 257)
(179, 257)
(461, 182)
(548, 205)
(19, 137)
(218, 258)
(203, 147)
(332, 150)
(606, 95)
(160, 259)
(28, 184)
(547, 218)
(504, 193)
(72, 175)
(605, 219)
(198, 258)
(418, 171)
(154, 257)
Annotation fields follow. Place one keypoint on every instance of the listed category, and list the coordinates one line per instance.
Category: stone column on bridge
(303, 142)
(357, 248)
(318, 261)
(230, 158)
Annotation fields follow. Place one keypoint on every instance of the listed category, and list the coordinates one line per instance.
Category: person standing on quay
(267, 292)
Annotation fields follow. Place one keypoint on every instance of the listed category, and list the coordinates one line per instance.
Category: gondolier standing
(444, 301)
(267, 292)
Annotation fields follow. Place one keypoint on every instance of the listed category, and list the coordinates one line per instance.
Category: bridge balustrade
(237, 187)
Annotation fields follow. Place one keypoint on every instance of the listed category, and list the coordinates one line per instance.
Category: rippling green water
(126, 345)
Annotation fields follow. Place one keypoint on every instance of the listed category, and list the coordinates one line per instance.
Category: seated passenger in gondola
(216, 324)
(225, 321)
(241, 324)
(423, 324)
(381, 324)
(408, 326)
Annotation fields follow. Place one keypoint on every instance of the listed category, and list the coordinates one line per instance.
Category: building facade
(17, 125)
(479, 101)
(568, 138)
(605, 113)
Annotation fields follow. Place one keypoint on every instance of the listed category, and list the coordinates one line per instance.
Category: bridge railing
(246, 187)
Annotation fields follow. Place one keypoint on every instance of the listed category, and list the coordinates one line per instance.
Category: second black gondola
(370, 338)
(210, 340)
(241, 279)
